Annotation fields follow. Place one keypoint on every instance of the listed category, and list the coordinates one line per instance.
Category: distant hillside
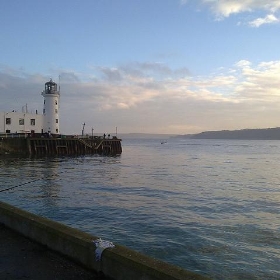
(245, 134)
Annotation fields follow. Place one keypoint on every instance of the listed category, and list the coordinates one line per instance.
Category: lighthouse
(51, 108)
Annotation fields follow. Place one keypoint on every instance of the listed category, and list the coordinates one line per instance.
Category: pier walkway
(23, 259)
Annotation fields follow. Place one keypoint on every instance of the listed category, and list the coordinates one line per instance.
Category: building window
(8, 120)
(32, 121)
(21, 122)
(55, 111)
(56, 130)
(55, 102)
(44, 111)
(56, 120)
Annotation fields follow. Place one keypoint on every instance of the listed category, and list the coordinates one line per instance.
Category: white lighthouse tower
(51, 108)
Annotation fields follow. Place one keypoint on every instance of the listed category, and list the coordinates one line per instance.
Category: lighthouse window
(56, 120)
(8, 121)
(32, 121)
(21, 122)
(55, 111)
(55, 102)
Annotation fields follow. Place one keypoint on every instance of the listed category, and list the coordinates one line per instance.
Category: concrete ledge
(119, 263)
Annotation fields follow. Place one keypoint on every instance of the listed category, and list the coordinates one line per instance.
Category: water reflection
(30, 178)
(50, 184)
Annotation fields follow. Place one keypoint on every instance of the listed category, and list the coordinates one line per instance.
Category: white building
(14, 122)
(48, 122)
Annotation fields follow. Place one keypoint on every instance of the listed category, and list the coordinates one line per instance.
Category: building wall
(12, 122)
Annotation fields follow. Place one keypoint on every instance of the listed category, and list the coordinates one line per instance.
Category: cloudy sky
(151, 66)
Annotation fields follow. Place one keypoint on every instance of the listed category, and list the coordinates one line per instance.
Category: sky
(144, 66)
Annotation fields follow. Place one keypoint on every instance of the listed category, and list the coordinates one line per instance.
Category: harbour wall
(118, 263)
(13, 146)
(64, 145)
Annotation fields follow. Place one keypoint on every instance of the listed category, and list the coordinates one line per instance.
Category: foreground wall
(119, 263)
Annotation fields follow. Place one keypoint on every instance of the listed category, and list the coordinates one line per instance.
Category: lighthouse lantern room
(51, 108)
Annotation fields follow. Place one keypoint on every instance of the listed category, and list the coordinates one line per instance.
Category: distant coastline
(243, 134)
(145, 136)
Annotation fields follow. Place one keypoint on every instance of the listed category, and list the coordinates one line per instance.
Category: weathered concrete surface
(119, 263)
(21, 258)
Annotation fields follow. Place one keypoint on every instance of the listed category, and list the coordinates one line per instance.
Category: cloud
(266, 20)
(243, 64)
(111, 74)
(138, 70)
(68, 76)
(245, 97)
(183, 2)
(224, 8)
(260, 83)
(151, 97)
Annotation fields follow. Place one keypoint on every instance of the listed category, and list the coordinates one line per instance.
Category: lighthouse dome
(50, 87)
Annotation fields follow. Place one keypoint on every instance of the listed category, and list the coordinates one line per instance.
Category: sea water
(209, 206)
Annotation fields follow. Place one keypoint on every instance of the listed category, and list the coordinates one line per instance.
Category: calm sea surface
(209, 206)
